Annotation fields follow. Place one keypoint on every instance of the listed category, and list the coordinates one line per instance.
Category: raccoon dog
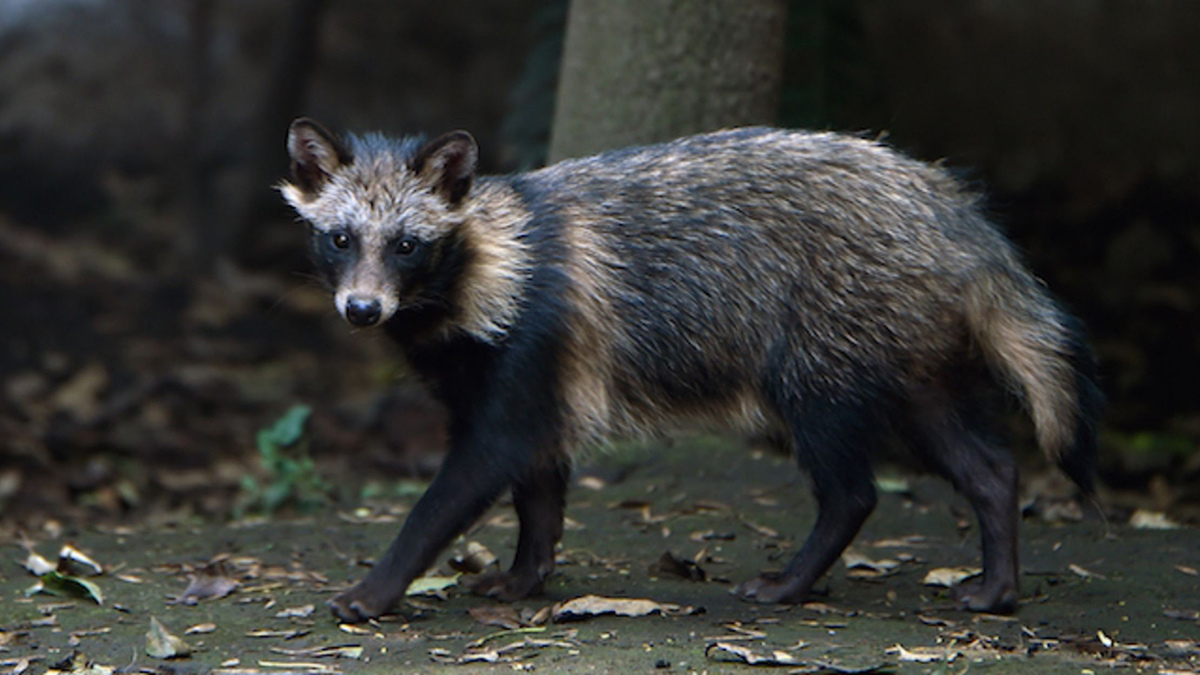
(819, 286)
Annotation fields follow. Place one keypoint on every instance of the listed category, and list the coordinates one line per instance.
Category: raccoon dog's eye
(340, 240)
(406, 246)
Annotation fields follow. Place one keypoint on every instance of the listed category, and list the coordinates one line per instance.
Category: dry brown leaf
(1143, 519)
(299, 666)
(722, 651)
(74, 562)
(37, 565)
(912, 540)
(476, 560)
(712, 535)
(504, 616)
(596, 605)
(859, 565)
(301, 612)
(594, 483)
(285, 634)
(210, 581)
(504, 654)
(922, 654)
(1081, 572)
(163, 645)
(950, 576)
(760, 529)
(669, 565)
(335, 651)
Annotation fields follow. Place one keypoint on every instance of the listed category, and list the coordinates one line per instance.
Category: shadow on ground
(1092, 596)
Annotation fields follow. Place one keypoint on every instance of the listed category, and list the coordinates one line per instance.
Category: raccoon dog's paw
(359, 603)
(506, 586)
(979, 596)
(770, 588)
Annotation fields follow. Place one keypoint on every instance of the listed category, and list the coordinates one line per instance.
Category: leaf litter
(209, 582)
(588, 606)
(161, 644)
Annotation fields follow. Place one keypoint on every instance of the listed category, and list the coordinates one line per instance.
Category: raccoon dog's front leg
(472, 476)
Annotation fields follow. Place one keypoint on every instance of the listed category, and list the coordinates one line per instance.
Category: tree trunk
(293, 57)
(643, 71)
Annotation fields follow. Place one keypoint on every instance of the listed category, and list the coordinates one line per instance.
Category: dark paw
(770, 588)
(360, 603)
(506, 586)
(979, 596)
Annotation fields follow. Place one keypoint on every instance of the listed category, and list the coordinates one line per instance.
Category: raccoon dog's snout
(363, 312)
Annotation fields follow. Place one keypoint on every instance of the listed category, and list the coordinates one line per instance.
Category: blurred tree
(293, 56)
(638, 72)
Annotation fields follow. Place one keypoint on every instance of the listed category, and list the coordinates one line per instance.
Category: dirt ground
(1095, 596)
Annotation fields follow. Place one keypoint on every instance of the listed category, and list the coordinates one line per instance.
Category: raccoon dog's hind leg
(833, 428)
(956, 430)
(539, 498)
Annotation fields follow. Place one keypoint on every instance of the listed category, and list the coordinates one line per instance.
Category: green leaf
(64, 585)
(286, 431)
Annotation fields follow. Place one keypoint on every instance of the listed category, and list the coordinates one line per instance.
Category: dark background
(155, 304)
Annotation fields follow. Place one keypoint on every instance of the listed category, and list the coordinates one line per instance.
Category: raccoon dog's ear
(316, 155)
(448, 164)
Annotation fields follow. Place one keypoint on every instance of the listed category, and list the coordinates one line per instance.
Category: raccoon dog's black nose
(363, 312)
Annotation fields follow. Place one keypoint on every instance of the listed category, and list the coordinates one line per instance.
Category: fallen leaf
(591, 483)
(477, 559)
(299, 666)
(911, 540)
(1152, 520)
(859, 565)
(475, 644)
(432, 585)
(210, 582)
(505, 654)
(336, 651)
(79, 664)
(668, 565)
(1081, 572)
(63, 585)
(893, 485)
(596, 605)
(922, 654)
(722, 651)
(539, 617)
(504, 616)
(711, 535)
(302, 612)
(760, 529)
(37, 564)
(285, 634)
(74, 562)
(1185, 569)
(1182, 614)
(162, 645)
(950, 576)
(200, 628)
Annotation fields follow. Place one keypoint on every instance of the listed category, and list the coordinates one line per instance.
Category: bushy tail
(1040, 350)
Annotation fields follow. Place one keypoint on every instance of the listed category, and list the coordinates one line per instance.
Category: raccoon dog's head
(384, 215)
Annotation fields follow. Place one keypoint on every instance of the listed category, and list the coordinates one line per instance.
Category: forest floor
(674, 524)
